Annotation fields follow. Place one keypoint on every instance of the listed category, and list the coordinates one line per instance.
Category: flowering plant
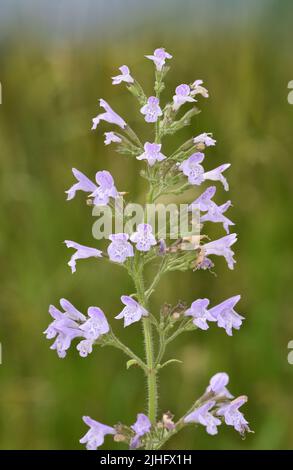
(133, 251)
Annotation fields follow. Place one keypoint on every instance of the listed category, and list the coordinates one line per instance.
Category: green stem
(149, 352)
(157, 278)
(151, 373)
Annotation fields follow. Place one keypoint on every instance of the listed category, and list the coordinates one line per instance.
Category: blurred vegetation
(49, 97)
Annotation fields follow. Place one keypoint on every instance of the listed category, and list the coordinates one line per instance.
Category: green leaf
(170, 361)
(130, 363)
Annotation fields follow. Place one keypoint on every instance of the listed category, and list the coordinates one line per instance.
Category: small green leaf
(130, 363)
(160, 366)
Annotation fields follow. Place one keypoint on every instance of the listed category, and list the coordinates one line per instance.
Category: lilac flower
(200, 314)
(94, 438)
(105, 190)
(120, 249)
(59, 320)
(191, 167)
(215, 214)
(109, 116)
(203, 202)
(124, 77)
(196, 175)
(85, 347)
(203, 416)
(152, 109)
(221, 247)
(71, 312)
(63, 340)
(102, 191)
(206, 263)
(83, 184)
(71, 324)
(111, 137)
(216, 175)
(141, 427)
(234, 417)
(225, 315)
(65, 326)
(151, 153)
(159, 58)
(198, 89)
(218, 384)
(82, 252)
(182, 95)
(143, 238)
(205, 138)
(97, 324)
(132, 311)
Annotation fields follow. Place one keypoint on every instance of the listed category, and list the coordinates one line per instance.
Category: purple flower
(198, 89)
(96, 325)
(111, 137)
(109, 116)
(225, 315)
(216, 175)
(105, 190)
(218, 385)
(102, 191)
(182, 95)
(200, 314)
(141, 427)
(191, 167)
(205, 138)
(196, 175)
(71, 312)
(221, 247)
(82, 252)
(72, 324)
(234, 417)
(65, 326)
(83, 184)
(203, 416)
(159, 58)
(120, 249)
(215, 214)
(203, 202)
(85, 347)
(151, 153)
(124, 77)
(94, 438)
(143, 238)
(152, 109)
(132, 311)
(63, 340)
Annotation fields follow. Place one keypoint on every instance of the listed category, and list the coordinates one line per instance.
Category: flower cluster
(219, 405)
(166, 175)
(223, 314)
(72, 324)
(215, 407)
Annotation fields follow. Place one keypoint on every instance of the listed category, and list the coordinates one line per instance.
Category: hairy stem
(149, 350)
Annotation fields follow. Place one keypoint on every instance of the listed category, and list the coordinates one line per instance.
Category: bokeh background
(56, 60)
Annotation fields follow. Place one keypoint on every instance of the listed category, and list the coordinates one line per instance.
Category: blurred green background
(56, 60)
